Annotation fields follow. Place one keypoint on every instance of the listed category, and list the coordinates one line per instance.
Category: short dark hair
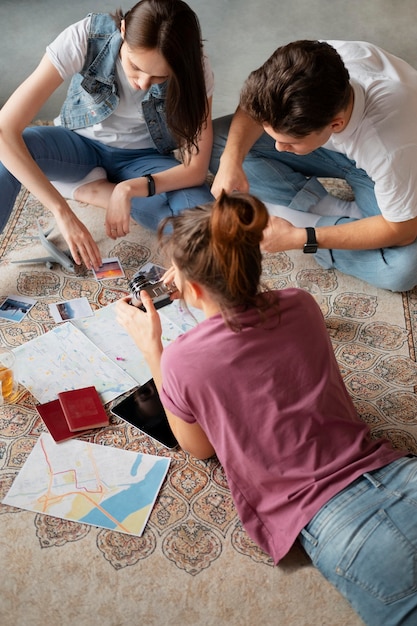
(299, 89)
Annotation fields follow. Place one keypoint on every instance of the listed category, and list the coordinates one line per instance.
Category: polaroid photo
(70, 309)
(110, 268)
(14, 308)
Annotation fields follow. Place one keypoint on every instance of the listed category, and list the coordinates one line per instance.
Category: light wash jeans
(364, 541)
(64, 155)
(290, 180)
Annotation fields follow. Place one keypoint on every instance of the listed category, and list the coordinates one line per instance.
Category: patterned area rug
(194, 563)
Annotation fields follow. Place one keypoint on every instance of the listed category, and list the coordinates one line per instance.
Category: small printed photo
(14, 308)
(70, 309)
(150, 273)
(111, 268)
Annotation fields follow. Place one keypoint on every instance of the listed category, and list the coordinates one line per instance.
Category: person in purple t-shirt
(257, 383)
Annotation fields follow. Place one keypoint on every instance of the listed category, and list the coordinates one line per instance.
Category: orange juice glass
(8, 382)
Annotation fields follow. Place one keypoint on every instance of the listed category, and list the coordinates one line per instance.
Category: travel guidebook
(89, 483)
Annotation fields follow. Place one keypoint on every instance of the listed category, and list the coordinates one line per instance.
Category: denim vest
(93, 94)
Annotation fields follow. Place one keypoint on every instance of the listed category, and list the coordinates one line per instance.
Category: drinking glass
(8, 380)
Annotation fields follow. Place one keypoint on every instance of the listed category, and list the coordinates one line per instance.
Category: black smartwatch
(310, 247)
(151, 185)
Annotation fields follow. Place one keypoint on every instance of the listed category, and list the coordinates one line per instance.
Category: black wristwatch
(151, 185)
(310, 247)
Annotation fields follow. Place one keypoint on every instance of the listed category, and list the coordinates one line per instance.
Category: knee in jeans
(401, 270)
(221, 127)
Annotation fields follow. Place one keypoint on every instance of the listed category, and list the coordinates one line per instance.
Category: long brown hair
(172, 28)
(218, 246)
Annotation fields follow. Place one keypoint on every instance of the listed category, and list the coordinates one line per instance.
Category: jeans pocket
(381, 560)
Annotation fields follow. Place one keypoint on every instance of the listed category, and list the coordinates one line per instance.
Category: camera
(151, 282)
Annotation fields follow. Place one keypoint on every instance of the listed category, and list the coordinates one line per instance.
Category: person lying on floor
(258, 384)
(339, 109)
(141, 88)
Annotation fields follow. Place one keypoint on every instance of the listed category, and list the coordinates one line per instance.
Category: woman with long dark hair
(134, 134)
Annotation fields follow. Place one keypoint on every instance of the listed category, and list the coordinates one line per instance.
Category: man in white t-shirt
(330, 109)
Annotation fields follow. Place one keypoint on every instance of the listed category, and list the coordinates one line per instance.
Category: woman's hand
(117, 220)
(144, 327)
(79, 239)
(168, 280)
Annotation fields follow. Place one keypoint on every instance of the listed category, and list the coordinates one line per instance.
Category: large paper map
(93, 351)
(85, 482)
(64, 358)
(104, 331)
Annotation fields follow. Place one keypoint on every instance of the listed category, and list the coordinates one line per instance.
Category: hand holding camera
(155, 281)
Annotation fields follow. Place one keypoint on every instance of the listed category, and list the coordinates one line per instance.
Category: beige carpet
(194, 564)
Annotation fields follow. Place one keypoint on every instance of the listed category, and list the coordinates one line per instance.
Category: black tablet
(143, 409)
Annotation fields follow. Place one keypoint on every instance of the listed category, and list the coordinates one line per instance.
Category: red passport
(83, 409)
(54, 419)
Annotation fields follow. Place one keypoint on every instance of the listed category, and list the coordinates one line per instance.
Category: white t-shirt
(126, 126)
(381, 136)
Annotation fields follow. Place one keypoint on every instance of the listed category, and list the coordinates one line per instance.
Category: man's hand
(241, 136)
(229, 178)
(280, 235)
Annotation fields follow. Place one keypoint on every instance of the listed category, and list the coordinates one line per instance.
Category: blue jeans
(291, 180)
(64, 155)
(364, 541)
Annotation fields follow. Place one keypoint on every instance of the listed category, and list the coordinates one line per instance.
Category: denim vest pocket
(82, 109)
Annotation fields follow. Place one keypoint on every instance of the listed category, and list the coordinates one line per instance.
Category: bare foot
(96, 193)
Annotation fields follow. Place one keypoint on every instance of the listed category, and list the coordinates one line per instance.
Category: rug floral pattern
(374, 337)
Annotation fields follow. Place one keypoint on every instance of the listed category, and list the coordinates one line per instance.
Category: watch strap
(151, 185)
(311, 245)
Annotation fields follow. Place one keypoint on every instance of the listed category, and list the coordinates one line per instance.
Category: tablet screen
(143, 409)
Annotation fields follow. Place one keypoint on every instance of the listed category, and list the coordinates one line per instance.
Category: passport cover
(83, 409)
(54, 419)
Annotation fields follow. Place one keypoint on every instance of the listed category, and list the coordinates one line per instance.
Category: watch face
(310, 248)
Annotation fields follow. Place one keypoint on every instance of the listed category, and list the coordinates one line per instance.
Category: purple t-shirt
(272, 402)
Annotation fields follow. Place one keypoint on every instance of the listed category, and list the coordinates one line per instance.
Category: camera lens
(136, 285)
